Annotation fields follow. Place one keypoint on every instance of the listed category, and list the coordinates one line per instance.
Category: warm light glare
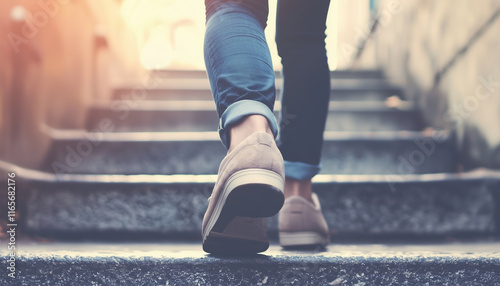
(170, 32)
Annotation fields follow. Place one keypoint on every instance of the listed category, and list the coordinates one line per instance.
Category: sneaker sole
(304, 238)
(237, 224)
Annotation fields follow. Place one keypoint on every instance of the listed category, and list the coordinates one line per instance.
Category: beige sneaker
(301, 223)
(249, 188)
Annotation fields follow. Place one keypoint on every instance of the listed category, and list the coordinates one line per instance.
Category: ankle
(246, 127)
(301, 188)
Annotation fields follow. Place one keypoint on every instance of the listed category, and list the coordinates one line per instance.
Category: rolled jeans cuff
(238, 110)
(301, 171)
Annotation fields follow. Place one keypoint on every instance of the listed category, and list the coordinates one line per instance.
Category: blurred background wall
(62, 54)
(58, 56)
(445, 54)
(171, 32)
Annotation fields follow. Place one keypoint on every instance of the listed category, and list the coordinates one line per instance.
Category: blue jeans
(241, 74)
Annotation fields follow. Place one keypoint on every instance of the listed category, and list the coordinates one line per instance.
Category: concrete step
(204, 83)
(401, 152)
(184, 91)
(201, 116)
(186, 264)
(336, 74)
(144, 206)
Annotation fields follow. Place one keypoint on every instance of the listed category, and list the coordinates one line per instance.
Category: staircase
(145, 165)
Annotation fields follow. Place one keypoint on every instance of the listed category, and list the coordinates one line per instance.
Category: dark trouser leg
(300, 37)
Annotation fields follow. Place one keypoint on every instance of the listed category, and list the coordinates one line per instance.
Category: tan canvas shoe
(301, 223)
(249, 188)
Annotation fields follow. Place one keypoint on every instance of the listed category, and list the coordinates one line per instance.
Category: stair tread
(335, 252)
(202, 152)
(187, 264)
(42, 176)
(360, 73)
(203, 83)
(186, 92)
(199, 115)
(149, 136)
(206, 87)
(209, 105)
(358, 205)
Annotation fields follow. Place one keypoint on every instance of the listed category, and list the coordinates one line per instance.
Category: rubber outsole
(234, 246)
(240, 226)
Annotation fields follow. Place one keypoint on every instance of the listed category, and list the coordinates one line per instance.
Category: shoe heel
(237, 223)
(250, 199)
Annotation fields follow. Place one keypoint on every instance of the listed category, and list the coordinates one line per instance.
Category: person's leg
(250, 181)
(239, 68)
(300, 36)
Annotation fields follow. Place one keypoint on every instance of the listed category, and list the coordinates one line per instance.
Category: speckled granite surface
(362, 207)
(187, 264)
(150, 153)
(159, 116)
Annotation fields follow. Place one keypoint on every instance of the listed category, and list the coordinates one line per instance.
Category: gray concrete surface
(201, 116)
(187, 264)
(172, 205)
(349, 93)
(201, 153)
